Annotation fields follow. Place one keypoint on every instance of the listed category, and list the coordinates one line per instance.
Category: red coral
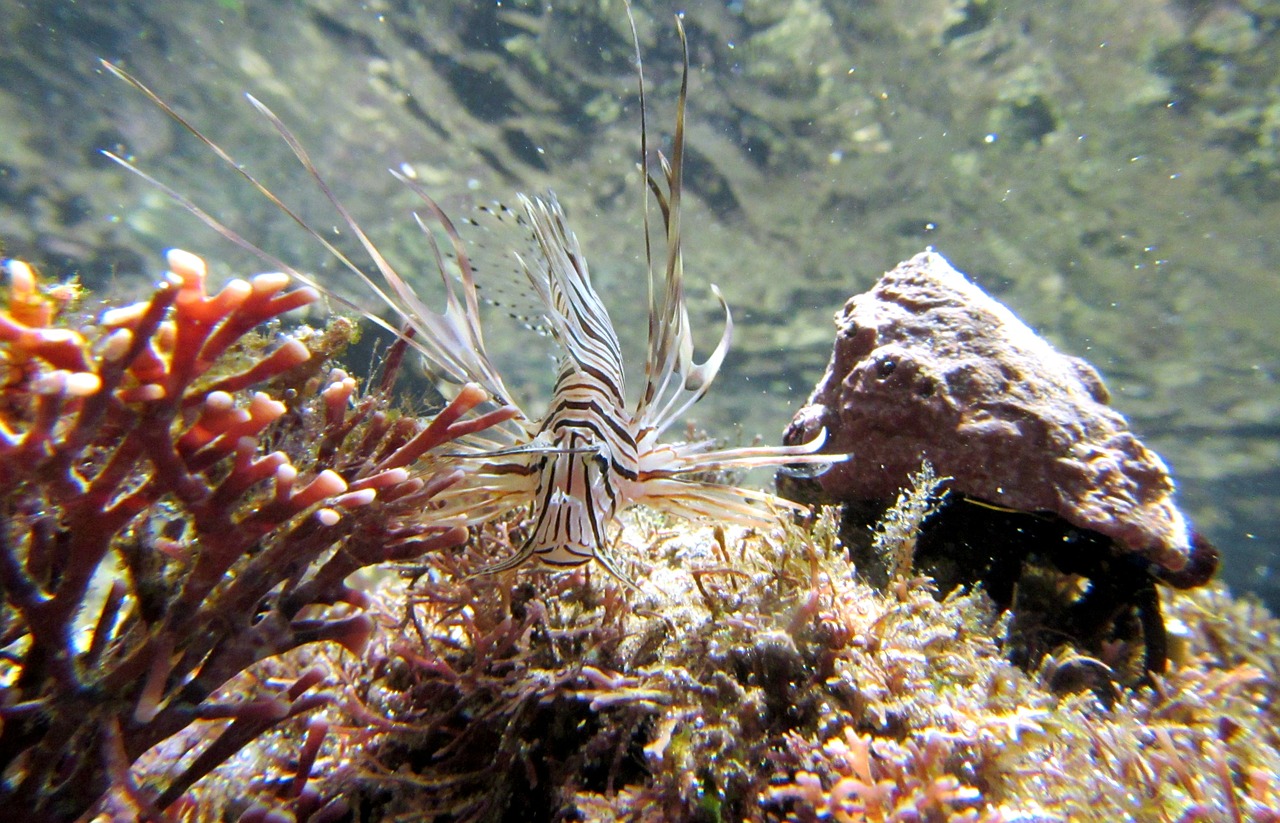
(165, 529)
(858, 778)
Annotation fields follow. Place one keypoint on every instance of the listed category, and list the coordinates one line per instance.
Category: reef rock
(928, 366)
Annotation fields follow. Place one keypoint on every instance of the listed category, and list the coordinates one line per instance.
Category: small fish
(590, 455)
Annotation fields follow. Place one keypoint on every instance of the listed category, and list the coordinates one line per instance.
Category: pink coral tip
(189, 267)
(83, 384)
(326, 484)
(61, 381)
(123, 316)
(117, 345)
(57, 337)
(329, 482)
(264, 407)
(235, 292)
(22, 281)
(291, 354)
(269, 283)
(218, 401)
(382, 480)
(54, 382)
(352, 500)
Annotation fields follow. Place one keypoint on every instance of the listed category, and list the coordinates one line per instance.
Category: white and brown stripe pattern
(589, 456)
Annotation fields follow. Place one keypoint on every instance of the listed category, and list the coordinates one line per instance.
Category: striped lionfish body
(588, 433)
(590, 455)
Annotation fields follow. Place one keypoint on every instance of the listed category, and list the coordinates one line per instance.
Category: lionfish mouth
(590, 455)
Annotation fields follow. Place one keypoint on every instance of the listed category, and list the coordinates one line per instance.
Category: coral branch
(238, 503)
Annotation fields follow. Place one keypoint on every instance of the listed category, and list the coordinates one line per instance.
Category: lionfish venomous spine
(589, 456)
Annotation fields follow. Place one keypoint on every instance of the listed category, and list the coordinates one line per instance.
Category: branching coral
(167, 526)
(881, 780)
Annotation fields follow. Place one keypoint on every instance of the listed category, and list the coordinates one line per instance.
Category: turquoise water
(1110, 170)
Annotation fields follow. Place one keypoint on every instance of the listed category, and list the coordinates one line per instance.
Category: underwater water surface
(1110, 170)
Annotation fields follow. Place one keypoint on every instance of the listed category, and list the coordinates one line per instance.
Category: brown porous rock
(928, 366)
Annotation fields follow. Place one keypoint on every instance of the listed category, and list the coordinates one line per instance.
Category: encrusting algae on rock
(927, 365)
(1054, 505)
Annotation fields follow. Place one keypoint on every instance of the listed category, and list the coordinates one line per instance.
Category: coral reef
(1110, 168)
(758, 677)
(183, 499)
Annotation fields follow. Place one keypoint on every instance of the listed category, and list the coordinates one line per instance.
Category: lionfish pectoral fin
(512, 451)
(514, 561)
(617, 573)
(809, 451)
(807, 463)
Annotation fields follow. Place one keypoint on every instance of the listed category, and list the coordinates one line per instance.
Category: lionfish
(590, 455)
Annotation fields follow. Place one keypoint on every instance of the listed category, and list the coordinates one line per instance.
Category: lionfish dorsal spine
(579, 321)
(674, 381)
